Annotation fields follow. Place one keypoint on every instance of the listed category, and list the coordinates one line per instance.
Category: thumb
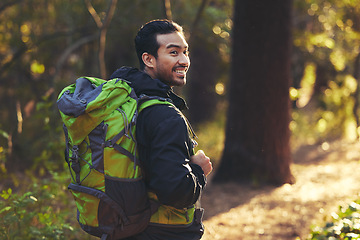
(200, 152)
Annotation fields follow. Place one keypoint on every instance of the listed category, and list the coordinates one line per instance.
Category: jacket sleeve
(165, 149)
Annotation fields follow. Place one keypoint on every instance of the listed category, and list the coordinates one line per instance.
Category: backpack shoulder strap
(145, 101)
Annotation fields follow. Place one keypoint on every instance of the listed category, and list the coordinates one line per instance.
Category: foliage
(344, 225)
(211, 136)
(3, 152)
(334, 119)
(325, 70)
(43, 211)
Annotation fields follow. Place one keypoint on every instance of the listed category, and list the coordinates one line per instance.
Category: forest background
(46, 45)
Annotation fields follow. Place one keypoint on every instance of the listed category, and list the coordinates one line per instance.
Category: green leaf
(6, 194)
(5, 209)
(4, 134)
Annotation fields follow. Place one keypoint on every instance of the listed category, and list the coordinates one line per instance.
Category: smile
(180, 71)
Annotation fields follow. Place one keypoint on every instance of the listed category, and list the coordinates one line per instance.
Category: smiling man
(174, 175)
(171, 62)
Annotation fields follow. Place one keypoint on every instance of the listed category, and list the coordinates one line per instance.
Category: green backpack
(106, 180)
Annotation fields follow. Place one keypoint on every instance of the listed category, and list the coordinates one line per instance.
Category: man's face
(173, 61)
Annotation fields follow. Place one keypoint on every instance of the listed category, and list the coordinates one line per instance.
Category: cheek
(168, 64)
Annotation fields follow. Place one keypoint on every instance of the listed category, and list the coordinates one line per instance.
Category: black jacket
(164, 144)
(164, 150)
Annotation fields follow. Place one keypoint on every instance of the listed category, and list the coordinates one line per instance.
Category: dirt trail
(325, 179)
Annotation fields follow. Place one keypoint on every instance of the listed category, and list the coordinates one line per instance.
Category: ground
(326, 177)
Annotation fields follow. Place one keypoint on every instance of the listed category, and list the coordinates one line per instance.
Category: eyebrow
(176, 46)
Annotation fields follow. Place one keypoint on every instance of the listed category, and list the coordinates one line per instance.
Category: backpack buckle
(108, 143)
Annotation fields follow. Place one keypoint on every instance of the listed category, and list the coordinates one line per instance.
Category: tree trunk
(356, 93)
(257, 133)
(166, 4)
(201, 96)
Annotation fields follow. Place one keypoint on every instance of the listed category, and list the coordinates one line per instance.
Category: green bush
(344, 225)
(44, 211)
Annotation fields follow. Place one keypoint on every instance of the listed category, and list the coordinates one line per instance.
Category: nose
(184, 60)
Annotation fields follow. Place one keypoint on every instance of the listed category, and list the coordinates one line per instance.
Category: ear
(148, 59)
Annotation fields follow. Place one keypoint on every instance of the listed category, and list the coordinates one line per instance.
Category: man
(174, 175)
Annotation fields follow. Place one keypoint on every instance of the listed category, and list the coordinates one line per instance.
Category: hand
(203, 161)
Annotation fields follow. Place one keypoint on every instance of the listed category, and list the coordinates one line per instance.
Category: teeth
(180, 71)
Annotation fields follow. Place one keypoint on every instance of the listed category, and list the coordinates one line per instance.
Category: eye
(174, 52)
(186, 52)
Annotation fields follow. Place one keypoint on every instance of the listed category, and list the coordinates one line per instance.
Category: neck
(149, 72)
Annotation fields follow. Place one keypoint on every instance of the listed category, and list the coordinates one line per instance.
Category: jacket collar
(142, 83)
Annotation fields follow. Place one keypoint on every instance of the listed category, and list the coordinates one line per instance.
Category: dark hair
(146, 41)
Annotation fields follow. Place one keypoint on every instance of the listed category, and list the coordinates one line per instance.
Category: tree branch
(103, 26)
(24, 48)
(198, 16)
(72, 48)
(110, 14)
(94, 14)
